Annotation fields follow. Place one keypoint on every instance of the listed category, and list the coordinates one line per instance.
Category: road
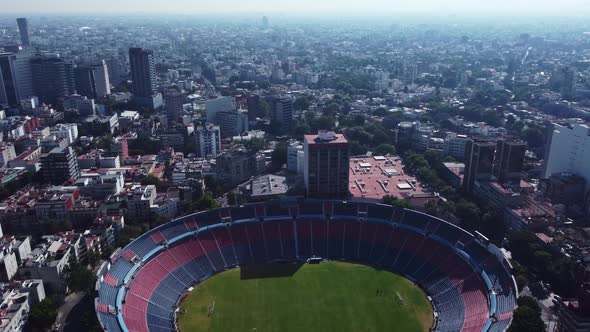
(70, 302)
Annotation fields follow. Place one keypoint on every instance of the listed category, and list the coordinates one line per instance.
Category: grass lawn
(330, 296)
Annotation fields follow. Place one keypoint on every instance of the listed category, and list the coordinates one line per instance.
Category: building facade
(327, 157)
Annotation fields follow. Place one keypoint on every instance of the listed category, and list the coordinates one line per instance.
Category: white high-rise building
(232, 123)
(294, 154)
(208, 141)
(214, 106)
(568, 151)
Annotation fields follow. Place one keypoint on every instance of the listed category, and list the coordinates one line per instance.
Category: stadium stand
(469, 282)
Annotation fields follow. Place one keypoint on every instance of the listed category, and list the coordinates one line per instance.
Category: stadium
(467, 280)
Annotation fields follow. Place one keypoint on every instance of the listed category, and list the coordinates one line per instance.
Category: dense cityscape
(113, 126)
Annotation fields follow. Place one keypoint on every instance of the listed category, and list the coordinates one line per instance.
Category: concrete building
(173, 100)
(238, 165)
(23, 28)
(9, 94)
(232, 123)
(86, 107)
(455, 145)
(327, 157)
(568, 151)
(479, 162)
(282, 113)
(208, 141)
(53, 78)
(295, 157)
(219, 104)
(7, 153)
(60, 165)
(509, 160)
(17, 299)
(92, 80)
(143, 77)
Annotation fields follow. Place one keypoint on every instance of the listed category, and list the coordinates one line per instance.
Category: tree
(301, 103)
(385, 149)
(527, 318)
(206, 202)
(393, 201)
(150, 179)
(79, 277)
(43, 314)
(231, 198)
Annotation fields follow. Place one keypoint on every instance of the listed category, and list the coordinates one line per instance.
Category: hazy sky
(440, 7)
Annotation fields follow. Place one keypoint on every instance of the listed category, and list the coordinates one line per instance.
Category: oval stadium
(467, 280)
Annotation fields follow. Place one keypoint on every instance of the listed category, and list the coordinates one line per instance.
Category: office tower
(143, 76)
(509, 160)
(173, 100)
(479, 162)
(264, 22)
(281, 113)
(232, 123)
(53, 78)
(92, 80)
(22, 70)
(208, 141)
(60, 165)
(23, 27)
(253, 104)
(8, 86)
(220, 104)
(568, 151)
(326, 164)
(143, 72)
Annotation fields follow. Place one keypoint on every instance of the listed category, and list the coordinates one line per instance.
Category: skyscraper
(8, 86)
(92, 80)
(264, 22)
(23, 27)
(143, 76)
(479, 162)
(568, 151)
(509, 160)
(208, 141)
(53, 78)
(326, 164)
(282, 113)
(173, 100)
(253, 104)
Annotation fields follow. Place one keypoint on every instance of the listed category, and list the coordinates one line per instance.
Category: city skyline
(350, 7)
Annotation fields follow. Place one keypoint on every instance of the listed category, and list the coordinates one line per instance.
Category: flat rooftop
(371, 178)
(326, 138)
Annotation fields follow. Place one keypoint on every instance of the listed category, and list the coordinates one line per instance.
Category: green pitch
(330, 296)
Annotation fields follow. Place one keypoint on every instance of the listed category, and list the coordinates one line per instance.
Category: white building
(68, 131)
(208, 141)
(568, 151)
(7, 153)
(295, 157)
(220, 104)
(455, 145)
(232, 123)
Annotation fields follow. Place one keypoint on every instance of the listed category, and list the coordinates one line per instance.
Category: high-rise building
(173, 101)
(23, 27)
(326, 164)
(264, 22)
(53, 78)
(282, 113)
(143, 77)
(22, 70)
(143, 72)
(92, 80)
(220, 104)
(253, 103)
(8, 86)
(479, 162)
(208, 141)
(568, 151)
(60, 165)
(509, 160)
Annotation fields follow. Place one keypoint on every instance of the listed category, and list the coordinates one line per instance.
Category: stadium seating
(421, 248)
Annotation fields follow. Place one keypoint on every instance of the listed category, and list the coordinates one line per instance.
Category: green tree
(385, 149)
(301, 103)
(392, 200)
(527, 317)
(206, 202)
(151, 179)
(43, 314)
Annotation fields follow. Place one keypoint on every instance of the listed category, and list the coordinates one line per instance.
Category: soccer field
(330, 296)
